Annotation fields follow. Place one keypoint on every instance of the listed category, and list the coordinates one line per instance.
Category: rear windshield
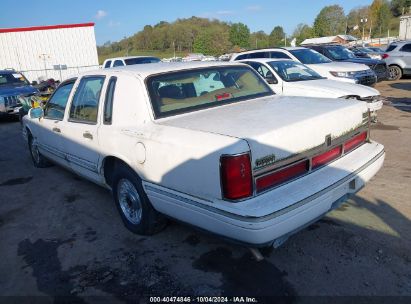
(186, 91)
(340, 53)
(142, 60)
(308, 56)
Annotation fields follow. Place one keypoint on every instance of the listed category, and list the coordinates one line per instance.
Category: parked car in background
(376, 49)
(290, 78)
(398, 58)
(12, 85)
(365, 52)
(208, 144)
(341, 71)
(342, 54)
(131, 60)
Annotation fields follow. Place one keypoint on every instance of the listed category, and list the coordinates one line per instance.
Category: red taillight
(236, 176)
(355, 142)
(326, 157)
(281, 176)
(385, 56)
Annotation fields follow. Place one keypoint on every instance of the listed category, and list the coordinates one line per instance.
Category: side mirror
(36, 113)
(34, 83)
(271, 80)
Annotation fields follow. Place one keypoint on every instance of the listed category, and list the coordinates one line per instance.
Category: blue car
(12, 85)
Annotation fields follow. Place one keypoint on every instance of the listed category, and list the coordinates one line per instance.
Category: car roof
(148, 69)
(272, 49)
(129, 57)
(264, 60)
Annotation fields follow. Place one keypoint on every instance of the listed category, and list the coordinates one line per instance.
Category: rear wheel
(38, 159)
(135, 209)
(395, 72)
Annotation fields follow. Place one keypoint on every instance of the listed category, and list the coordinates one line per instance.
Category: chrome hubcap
(35, 151)
(129, 200)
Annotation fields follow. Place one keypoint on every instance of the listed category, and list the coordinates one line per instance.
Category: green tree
(240, 34)
(302, 32)
(330, 21)
(398, 6)
(276, 36)
(259, 40)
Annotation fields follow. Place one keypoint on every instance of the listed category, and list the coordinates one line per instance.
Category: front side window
(261, 69)
(293, 71)
(308, 56)
(141, 60)
(406, 48)
(186, 91)
(84, 107)
(118, 63)
(56, 105)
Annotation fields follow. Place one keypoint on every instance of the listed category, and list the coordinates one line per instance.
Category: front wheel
(395, 72)
(39, 161)
(135, 209)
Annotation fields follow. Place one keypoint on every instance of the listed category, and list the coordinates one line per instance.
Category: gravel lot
(62, 236)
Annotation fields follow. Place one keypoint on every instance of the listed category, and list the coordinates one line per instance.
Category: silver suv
(398, 58)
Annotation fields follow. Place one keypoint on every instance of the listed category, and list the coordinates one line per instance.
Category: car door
(51, 129)
(81, 139)
(406, 56)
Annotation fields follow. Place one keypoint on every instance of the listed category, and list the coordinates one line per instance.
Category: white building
(39, 51)
(405, 28)
(338, 39)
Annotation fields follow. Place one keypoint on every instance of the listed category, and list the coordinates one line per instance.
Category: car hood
(366, 61)
(282, 126)
(324, 69)
(17, 90)
(327, 88)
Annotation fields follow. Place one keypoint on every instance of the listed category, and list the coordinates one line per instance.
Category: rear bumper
(268, 218)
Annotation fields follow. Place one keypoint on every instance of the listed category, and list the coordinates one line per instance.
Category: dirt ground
(61, 236)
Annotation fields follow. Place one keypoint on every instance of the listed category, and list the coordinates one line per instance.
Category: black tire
(39, 161)
(395, 72)
(149, 221)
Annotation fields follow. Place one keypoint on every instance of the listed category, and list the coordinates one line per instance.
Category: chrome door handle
(57, 130)
(88, 135)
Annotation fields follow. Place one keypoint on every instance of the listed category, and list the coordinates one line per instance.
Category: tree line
(215, 37)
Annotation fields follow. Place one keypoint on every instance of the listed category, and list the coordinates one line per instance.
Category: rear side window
(279, 55)
(56, 106)
(108, 104)
(84, 107)
(406, 48)
(118, 63)
(258, 55)
(108, 64)
(240, 57)
(141, 60)
(391, 48)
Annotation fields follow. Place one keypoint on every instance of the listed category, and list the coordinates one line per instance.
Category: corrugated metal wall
(35, 52)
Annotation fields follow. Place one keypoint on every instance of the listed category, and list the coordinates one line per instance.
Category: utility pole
(44, 57)
(363, 22)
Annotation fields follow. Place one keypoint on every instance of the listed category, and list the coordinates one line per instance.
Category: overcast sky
(116, 19)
